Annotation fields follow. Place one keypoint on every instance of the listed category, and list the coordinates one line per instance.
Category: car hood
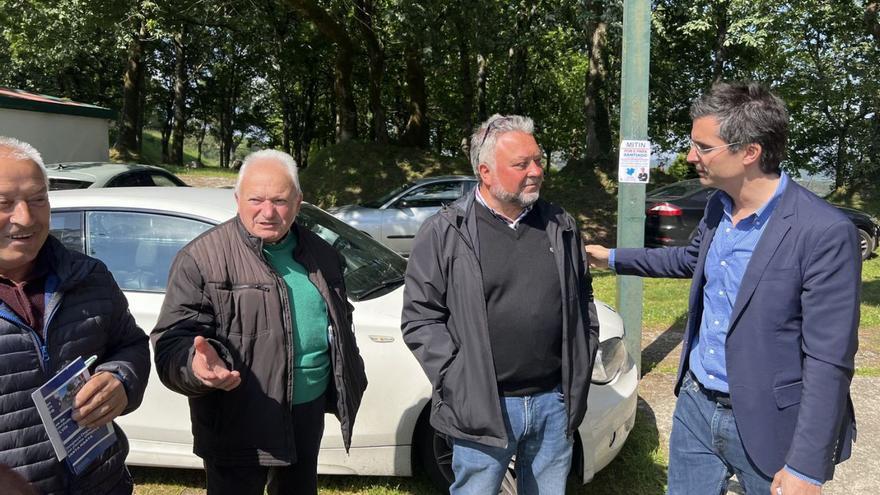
(346, 209)
(855, 213)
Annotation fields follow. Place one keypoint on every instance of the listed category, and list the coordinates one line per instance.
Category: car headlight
(612, 356)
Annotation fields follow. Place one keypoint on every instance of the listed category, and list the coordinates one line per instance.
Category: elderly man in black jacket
(256, 330)
(57, 305)
(498, 309)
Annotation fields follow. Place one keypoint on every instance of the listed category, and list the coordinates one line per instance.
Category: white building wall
(58, 137)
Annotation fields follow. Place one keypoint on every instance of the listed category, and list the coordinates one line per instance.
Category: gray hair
(484, 138)
(747, 113)
(20, 150)
(275, 155)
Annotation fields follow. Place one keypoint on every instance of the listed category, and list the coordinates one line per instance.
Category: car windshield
(377, 203)
(61, 184)
(371, 269)
(673, 191)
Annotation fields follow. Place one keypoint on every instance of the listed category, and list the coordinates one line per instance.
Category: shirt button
(723, 263)
(717, 322)
(711, 351)
(727, 229)
(711, 377)
(720, 292)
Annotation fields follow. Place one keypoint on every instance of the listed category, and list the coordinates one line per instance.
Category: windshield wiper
(381, 285)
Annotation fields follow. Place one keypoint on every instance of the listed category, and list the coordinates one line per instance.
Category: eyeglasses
(492, 125)
(702, 151)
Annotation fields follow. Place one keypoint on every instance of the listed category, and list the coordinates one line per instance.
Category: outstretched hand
(597, 255)
(210, 369)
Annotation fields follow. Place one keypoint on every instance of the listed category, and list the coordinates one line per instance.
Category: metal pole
(631, 196)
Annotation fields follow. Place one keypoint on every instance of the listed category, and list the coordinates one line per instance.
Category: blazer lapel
(778, 226)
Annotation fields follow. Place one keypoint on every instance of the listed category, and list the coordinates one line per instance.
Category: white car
(138, 231)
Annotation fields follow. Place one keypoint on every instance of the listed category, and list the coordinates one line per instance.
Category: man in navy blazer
(768, 356)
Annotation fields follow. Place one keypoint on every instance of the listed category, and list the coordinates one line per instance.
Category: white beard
(521, 199)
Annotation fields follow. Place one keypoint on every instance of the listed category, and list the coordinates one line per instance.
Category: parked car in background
(137, 232)
(82, 175)
(674, 211)
(395, 218)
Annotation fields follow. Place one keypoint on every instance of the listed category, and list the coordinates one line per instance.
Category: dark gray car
(673, 212)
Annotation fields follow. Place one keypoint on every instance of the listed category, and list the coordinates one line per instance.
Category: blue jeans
(535, 427)
(705, 448)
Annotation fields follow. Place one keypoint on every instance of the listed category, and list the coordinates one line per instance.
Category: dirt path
(207, 180)
(859, 475)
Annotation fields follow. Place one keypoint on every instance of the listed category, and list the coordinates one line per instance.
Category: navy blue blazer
(793, 332)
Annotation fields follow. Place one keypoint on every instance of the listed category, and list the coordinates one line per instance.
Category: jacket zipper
(286, 334)
(249, 286)
(39, 344)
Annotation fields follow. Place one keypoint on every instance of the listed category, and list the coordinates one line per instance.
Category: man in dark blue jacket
(57, 305)
(764, 376)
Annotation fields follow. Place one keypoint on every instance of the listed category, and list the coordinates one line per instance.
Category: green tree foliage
(301, 75)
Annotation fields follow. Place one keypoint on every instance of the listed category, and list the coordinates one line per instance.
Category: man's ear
(485, 172)
(752, 155)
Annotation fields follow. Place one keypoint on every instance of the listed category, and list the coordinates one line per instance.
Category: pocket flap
(788, 395)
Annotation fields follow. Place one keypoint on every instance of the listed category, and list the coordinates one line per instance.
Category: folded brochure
(77, 446)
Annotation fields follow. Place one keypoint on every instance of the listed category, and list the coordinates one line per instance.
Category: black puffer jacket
(86, 314)
(445, 323)
(222, 288)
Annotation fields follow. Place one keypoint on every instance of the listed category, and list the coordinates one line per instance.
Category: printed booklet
(73, 444)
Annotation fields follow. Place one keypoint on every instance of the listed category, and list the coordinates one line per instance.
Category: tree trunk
(346, 118)
(841, 174)
(142, 91)
(722, 22)
(286, 123)
(482, 76)
(305, 139)
(872, 20)
(364, 12)
(180, 83)
(127, 138)
(346, 111)
(466, 87)
(519, 63)
(416, 132)
(597, 125)
(167, 121)
(200, 139)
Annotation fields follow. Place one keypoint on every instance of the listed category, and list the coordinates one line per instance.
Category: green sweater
(311, 358)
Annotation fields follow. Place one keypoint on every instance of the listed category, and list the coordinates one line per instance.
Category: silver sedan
(395, 218)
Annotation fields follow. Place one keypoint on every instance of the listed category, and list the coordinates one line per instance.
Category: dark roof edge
(44, 107)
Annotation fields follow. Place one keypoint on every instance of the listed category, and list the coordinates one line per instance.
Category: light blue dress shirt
(726, 263)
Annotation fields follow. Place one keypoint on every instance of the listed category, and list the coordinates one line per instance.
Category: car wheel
(866, 244)
(435, 454)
